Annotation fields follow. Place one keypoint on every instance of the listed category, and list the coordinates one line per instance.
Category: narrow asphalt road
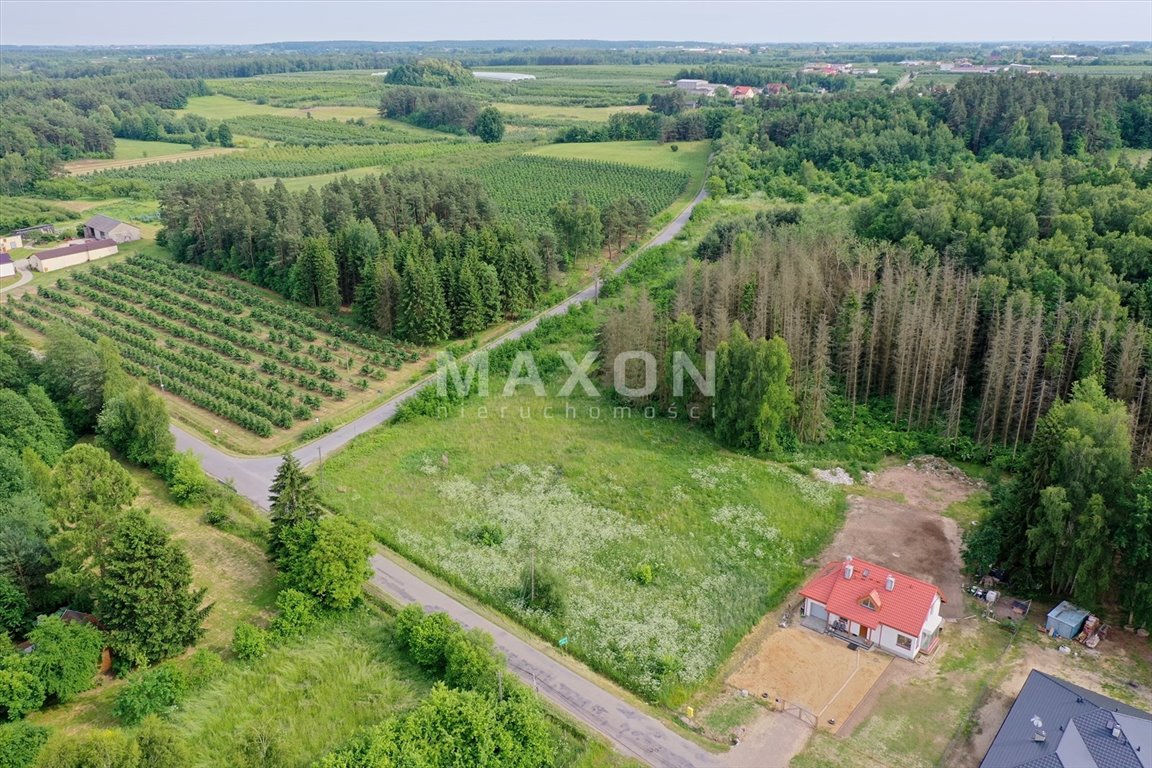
(633, 732)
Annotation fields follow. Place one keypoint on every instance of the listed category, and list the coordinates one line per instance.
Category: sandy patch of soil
(812, 671)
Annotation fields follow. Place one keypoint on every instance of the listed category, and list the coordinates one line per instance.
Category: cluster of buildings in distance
(102, 237)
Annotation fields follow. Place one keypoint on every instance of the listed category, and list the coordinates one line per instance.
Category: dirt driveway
(898, 522)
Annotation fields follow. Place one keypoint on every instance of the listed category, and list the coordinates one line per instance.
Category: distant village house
(101, 227)
(7, 268)
(11, 242)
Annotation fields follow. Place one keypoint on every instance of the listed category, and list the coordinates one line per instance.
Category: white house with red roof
(742, 92)
(872, 605)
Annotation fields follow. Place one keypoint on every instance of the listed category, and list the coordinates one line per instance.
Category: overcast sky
(47, 22)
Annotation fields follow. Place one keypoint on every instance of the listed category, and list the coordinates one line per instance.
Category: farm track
(632, 731)
(83, 167)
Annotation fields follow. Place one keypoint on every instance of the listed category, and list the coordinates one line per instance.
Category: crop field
(16, 212)
(281, 161)
(229, 349)
(304, 132)
(298, 89)
(667, 548)
(689, 157)
(555, 116)
(590, 85)
(527, 186)
(82, 167)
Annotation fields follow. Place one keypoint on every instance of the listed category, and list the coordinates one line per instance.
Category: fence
(797, 711)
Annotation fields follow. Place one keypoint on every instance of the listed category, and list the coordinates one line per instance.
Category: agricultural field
(665, 549)
(300, 90)
(16, 212)
(593, 85)
(298, 131)
(689, 157)
(526, 187)
(260, 366)
(278, 161)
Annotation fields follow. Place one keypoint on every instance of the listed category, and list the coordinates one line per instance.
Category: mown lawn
(668, 549)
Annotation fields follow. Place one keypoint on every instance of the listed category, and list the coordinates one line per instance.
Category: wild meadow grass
(668, 549)
(304, 698)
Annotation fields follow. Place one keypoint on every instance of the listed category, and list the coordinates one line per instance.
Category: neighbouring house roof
(76, 617)
(67, 250)
(5, 258)
(743, 90)
(1080, 729)
(104, 223)
(905, 608)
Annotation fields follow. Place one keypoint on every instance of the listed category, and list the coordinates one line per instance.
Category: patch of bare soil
(911, 536)
(769, 741)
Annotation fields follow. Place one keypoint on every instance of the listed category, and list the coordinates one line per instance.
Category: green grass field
(131, 149)
(222, 107)
(604, 503)
(308, 697)
(690, 158)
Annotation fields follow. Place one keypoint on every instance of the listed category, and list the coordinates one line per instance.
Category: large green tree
(489, 125)
(293, 502)
(145, 596)
(135, 423)
(87, 493)
(329, 559)
(315, 276)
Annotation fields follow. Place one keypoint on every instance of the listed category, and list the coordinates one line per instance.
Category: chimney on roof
(848, 568)
(890, 583)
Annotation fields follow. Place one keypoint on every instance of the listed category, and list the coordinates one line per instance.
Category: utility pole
(161, 375)
(320, 471)
(532, 579)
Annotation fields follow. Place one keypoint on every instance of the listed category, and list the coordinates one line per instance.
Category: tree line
(441, 110)
(416, 254)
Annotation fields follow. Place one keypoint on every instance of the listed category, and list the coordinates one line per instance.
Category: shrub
(297, 614)
(249, 642)
(88, 749)
(488, 535)
(471, 662)
(150, 692)
(315, 430)
(406, 622)
(542, 590)
(429, 639)
(204, 667)
(186, 479)
(217, 514)
(21, 691)
(20, 743)
(161, 745)
(643, 574)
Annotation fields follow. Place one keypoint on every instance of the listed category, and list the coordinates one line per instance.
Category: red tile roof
(743, 90)
(65, 250)
(905, 608)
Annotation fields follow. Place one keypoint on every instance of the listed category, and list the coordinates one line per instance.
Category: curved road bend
(631, 731)
(25, 271)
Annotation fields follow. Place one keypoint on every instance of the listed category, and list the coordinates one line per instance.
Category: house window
(903, 641)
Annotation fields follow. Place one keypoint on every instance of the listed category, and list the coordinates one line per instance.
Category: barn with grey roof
(101, 227)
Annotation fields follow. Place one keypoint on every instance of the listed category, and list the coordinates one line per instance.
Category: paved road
(25, 272)
(633, 732)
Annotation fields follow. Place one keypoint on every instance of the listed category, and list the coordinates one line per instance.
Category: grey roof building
(1055, 724)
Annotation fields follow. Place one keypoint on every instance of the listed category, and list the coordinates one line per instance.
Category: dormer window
(871, 601)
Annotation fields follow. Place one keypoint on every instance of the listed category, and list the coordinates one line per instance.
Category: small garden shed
(1066, 620)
